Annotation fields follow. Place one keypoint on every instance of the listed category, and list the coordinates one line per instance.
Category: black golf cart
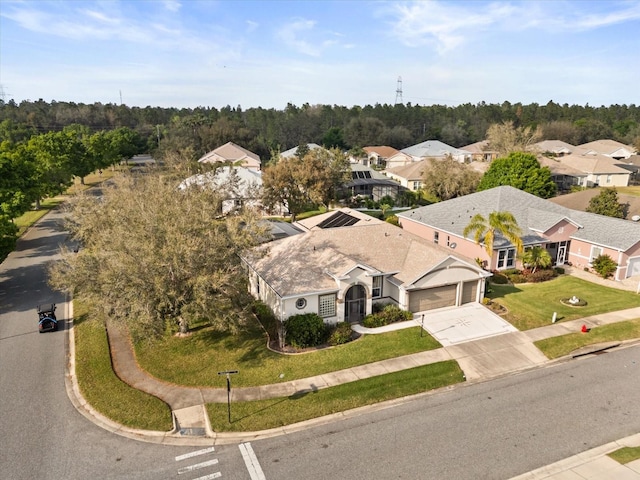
(47, 317)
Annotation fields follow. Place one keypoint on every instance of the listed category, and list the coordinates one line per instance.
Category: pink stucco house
(570, 236)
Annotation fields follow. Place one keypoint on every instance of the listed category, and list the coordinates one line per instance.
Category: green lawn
(565, 344)
(532, 305)
(100, 386)
(264, 414)
(626, 454)
(195, 360)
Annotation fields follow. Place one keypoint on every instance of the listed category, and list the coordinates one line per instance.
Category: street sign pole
(228, 373)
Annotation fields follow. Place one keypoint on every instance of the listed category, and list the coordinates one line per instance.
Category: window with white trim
(595, 253)
(327, 305)
(506, 258)
(436, 236)
(376, 288)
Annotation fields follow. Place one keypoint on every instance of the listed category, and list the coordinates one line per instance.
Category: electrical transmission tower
(399, 91)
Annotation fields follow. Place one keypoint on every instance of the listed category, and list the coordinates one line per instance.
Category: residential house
(553, 148)
(436, 149)
(366, 182)
(346, 261)
(238, 186)
(398, 160)
(610, 148)
(564, 176)
(233, 154)
(377, 156)
(481, 151)
(410, 175)
(292, 152)
(570, 236)
(597, 170)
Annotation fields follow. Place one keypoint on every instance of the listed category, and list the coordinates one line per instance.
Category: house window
(416, 185)
(506, 258)
(327, 305)
(376, 290)
(436, 235)
(595, 252)
(448, 240)
(608, 178)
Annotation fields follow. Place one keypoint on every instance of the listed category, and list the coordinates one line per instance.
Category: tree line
(37, 166)
(263, 130)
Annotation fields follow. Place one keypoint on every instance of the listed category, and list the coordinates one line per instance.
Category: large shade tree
(158, 257)
(522, 171)
(485, 230)
(447, 179)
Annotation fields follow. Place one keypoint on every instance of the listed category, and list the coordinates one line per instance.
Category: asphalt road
(492, 430)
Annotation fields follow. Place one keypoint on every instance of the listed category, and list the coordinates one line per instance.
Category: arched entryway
(354, 304)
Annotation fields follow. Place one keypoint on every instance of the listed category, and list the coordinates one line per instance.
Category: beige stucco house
(233, 154)
(345, 261)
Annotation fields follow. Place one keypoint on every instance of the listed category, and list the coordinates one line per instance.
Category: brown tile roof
(383, 151)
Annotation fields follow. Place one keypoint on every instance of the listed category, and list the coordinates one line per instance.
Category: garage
(469, 292)
(431, 298)
(634, 267)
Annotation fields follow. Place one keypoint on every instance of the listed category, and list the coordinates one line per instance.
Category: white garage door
(634, 267)
(469, 291)
(430, 298)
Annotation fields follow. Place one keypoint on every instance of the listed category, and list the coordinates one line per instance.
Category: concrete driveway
(455, 325)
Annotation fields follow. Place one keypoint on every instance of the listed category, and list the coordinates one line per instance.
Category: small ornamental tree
(606, 203)
(604, 266)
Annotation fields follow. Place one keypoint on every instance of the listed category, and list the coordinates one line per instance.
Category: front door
(354, 304)
(562, 253)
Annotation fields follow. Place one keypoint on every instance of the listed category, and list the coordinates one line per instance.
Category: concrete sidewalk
(480, 360)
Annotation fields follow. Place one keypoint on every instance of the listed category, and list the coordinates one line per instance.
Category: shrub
(266, 317)
(486, 301)
(499, 279)
(306, 330)
(378, 307)
(518, 278)
(559, 270)
(389, 314)
(604, 266)
(393, 220)
(541, 276)
(341, 334)
(511, 271)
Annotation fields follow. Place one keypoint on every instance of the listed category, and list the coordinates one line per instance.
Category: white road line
(209, 477)
(251, 461)
(195, 454)
(197, 466)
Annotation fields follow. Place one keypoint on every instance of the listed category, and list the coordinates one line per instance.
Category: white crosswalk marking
(197, 466)
(251, 461)
(195, 454)
(209, 477)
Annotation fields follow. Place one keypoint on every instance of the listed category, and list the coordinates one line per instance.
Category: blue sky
(189, 53)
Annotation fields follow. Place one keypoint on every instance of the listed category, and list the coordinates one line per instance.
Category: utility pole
(399, 91)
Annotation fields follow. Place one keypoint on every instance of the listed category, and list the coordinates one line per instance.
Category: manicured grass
(264, 414)
(100, 386)
(633, 190)
(532, 305)
(626, 454)
(194, 360)
(27, 219)
(565, 344)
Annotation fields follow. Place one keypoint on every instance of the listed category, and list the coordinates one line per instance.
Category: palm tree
(535, 257)
(485, 229)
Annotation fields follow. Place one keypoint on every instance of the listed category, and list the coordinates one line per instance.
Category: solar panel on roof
(338, 219)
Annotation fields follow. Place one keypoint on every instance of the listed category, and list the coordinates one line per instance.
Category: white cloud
(290, 35)
(252, 26)
(172, 5)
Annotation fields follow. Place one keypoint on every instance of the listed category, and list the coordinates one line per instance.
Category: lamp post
(228, 373)
(422, 326)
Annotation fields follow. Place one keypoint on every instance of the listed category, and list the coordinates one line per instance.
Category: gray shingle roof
(532, 213)
(310, 261)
